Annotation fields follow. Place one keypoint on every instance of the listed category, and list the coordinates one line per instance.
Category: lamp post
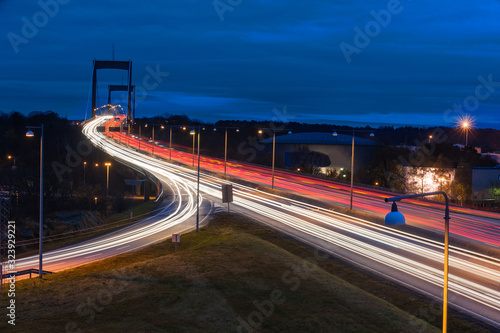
(465, 126)
(225, 145)
(107, 164)
(153, 143)
(193, 133)
(170, 143)
(352, 161)
(396, 218)
(274, 149)
(84, 169)
(29, 133)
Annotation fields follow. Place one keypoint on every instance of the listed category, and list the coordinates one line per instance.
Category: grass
(213, 283)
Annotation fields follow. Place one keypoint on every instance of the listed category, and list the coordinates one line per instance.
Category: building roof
(319, 138)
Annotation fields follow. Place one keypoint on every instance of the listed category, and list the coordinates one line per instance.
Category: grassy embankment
(231, 269)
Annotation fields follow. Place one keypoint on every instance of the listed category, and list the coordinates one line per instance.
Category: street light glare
(192, 132)
(30, 134)
(260, 131)
(334, 134)
(466, 124)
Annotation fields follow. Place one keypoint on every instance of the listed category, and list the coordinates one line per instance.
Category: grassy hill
(232, 276)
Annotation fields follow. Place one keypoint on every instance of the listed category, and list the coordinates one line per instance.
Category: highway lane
(410, 260)
(173, 216)
(478, 226)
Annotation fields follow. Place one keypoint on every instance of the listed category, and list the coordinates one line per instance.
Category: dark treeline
(69, 184)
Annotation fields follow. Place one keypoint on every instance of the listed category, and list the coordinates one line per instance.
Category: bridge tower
(114, 87)
(112, 64)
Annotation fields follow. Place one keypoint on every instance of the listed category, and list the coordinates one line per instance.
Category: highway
(407, 259)
(410, 260)
(481, 227)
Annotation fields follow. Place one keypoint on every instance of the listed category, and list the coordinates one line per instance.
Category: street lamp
(84, 169)
(274, 149)
(29, 133)
(396, 218)
(465, 126)
(352, 160)
(193, 133)
(153, 143)
(107, 164)
(225, 145)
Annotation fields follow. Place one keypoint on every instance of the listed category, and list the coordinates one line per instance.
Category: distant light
(162, 127)
(298, 169)
(260, 131)
(203, 128)
(184, 128)
(30, 134)
(289, 132)
(371, 134)
(343, 175)
(215, 129)
(192, 132)
(146, 125)
(97, 164)
(107, 164)
(376, 183)
(84, 163)
(237, 130)
(9, 157)
(334, 134)
(430, 136)
(341, 169)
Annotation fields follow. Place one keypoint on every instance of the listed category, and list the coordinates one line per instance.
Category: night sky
(363, 62)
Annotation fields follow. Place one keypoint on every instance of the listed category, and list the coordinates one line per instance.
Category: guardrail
(24, 272)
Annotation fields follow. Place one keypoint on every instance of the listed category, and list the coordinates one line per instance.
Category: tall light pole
(396, 218)
(225, 145)
(274, 149)
(352, 162)
(84, 169)
(29, 133)
(193, 133)
(153, 143)
(170, 143)
(465, 126)
(107, 164)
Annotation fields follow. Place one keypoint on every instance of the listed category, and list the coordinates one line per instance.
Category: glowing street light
(396, 218)
(274, 149)
(107, 164)
(30, 134)
(352, 161)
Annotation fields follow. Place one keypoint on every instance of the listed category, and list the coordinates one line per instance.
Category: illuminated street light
(274, 149)
(225, 145)
(107, 164)
(352, 161)
(396, 218)
(192, 132)
(84, 169)
(29, 134)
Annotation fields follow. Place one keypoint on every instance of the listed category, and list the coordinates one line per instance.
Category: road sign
(459, 191)
(176, 238)
(227, 193)
(459, 197)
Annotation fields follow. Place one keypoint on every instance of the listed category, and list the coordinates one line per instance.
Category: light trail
(413, 260)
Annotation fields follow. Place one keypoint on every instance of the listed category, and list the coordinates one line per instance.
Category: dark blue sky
(240, 59)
